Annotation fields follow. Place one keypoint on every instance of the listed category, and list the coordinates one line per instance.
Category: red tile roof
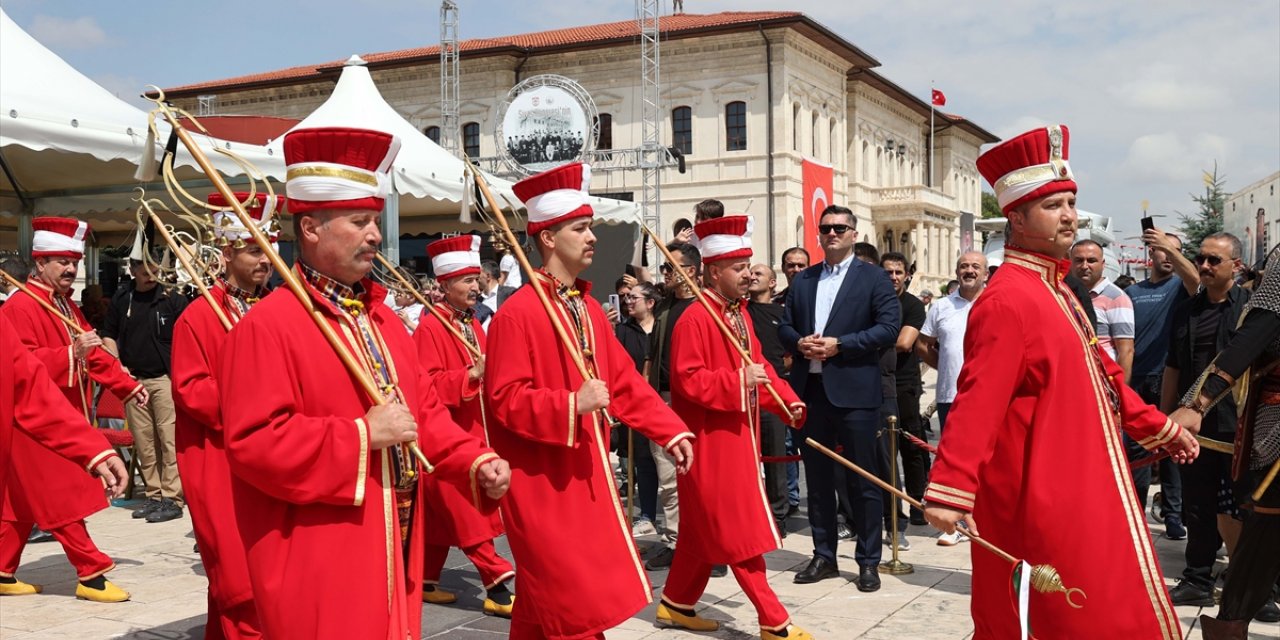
(672, 25)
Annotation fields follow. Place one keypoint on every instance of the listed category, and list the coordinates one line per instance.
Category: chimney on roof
(354, 61)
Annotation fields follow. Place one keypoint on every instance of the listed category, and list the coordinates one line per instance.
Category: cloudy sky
(1154, 92)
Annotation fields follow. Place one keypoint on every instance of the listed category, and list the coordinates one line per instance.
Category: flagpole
(931, 108)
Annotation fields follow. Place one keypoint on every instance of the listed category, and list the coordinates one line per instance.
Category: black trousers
(1256, 565)
(773, 443)
(1201, 481)
(855, 430)
(915, 460)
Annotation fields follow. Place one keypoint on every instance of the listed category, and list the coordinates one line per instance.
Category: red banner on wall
(817, 180)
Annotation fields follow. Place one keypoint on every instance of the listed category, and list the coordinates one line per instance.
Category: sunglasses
(839, 229)
(1212, 260)
(667, 267)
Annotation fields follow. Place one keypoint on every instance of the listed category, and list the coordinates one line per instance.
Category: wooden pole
(426, 304)
(186, 264)
(71, 324)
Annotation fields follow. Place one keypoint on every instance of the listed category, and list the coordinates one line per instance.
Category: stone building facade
(1253, 215)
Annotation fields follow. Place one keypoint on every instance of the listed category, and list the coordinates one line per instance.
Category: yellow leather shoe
(438, 596)
(500, 610)
(793, 633)
(108, 593)
(19, 588)
(670, 616)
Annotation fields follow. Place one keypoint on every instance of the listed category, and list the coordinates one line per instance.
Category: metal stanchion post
(895, 566)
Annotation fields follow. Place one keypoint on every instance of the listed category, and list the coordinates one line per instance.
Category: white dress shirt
(828, 287)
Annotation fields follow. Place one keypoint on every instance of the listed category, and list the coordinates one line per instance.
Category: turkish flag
(817, 180)
(939, 98)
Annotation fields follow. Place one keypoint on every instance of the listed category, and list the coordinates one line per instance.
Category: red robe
(724, 512)
(579, 570)
(32, 405)
(1033, 448)
(452, 517)
(198, 338)
(44, 487)
(315, 504)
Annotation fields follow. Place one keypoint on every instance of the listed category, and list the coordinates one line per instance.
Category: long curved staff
(514, 243)
(290, 280)
(196, 280)
(71, 324)
(1044, 578)
(426, 304)
(715, 315)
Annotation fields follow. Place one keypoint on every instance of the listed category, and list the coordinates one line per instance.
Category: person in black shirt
(915, 460)
(765, 318)
(139, 327)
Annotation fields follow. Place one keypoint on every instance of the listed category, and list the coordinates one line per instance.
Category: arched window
(682, 129)
(471, 139)
(795, 127)
(865, 161)
(605, 139)
(735, 126)
(433, 132)
(815, 134)
(836, 144)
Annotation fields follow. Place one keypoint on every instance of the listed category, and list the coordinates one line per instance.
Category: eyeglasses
(666, 268)
(631, 297)
(839, 229)
(1212, 260)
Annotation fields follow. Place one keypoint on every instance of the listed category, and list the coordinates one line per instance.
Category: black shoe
(782, 528)
(792, 510)
(819, 569)
(719, 570)
(39, 535)
(868, 579)
(1188, 593)
(168, 510)
(1268, 613)
(660, 560)
(1173, 528)
(147, 507)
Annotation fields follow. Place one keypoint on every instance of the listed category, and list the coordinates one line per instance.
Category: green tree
(1208, 219)
(990, 206)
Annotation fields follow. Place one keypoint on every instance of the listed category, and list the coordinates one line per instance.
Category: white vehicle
(1092, 227)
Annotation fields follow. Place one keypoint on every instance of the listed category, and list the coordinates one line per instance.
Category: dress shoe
(719, 570)
(108, 593)
(1190, 594)
(436, 595)
(492, 608)
(1214, 629)
(168, 510)
(868, 579)
(819, 569)
(39, 535)
(19, 588)
(147, 507)
(793, 633)
(669, 616)
(1268, 613)
(660, 560)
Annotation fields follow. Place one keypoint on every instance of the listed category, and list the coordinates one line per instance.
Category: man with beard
(459, 379)
(909, 386)
(319, 467)
(44, 488)
(1034, 432)
(794, 260)
(198, 339)
(579, 571)
(942, 337)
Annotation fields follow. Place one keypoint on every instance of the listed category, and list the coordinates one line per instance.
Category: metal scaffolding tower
(450, 128)
(653, 156)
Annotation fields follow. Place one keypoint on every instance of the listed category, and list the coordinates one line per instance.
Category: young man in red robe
(44, 488)
(1034, 434)
(324, 491)
(726, 517)
(459, 378)
(579, 570)
(198, 337)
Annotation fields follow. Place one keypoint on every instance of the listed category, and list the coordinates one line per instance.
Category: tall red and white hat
(455, 257)
(556, 195)
(338, 168)
(724, 238)
(1029, 166)
(263, 209)
(58, 237)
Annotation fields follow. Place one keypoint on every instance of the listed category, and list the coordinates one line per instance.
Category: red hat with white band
(1030, 166)
(226, 224)
(556, 195)
(455, 257)
(338, 168)
(724, 238)
(58, 238)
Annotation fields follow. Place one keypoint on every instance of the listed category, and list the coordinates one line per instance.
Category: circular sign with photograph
(546, 121)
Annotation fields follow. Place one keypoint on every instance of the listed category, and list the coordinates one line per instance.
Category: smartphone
(1148, 223)
(613, 301)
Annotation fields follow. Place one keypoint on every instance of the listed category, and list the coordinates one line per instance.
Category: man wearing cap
(1034, 433)
(323, 489)
(198, 338)
(727, 519)
(579, 571)
(459, 379)
(43, 488)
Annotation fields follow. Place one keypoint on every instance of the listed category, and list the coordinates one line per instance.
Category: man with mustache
(1034, 432)
(198, 340)
(579, 571)
(44, 488)
(324, 491)
(453, 519)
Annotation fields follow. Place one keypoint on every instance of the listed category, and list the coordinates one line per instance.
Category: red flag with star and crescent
(939, 98)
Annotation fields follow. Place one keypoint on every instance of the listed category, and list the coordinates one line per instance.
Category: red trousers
(239, 622)
(688, 579)
(493, 568)
(521, 630)
(88, 561)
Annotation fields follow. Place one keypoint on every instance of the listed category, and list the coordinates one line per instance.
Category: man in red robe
(43, 487)
(726, 517)
(459, 378)
(579, 570)
(1034, 436)
(198, 338)
(323, 489)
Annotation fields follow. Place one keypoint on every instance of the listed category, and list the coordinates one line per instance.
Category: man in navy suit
(839, 315)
